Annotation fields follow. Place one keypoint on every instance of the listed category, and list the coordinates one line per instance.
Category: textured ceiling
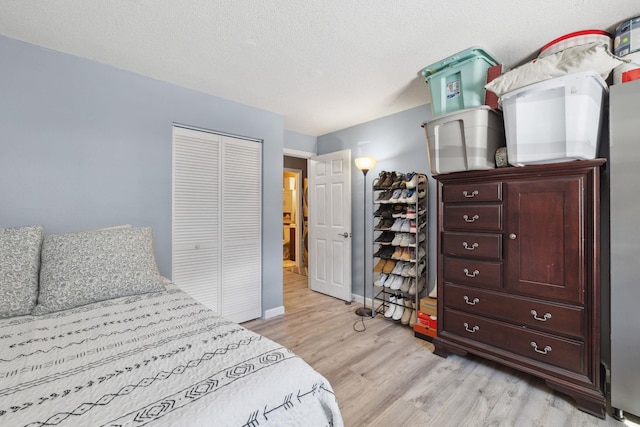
(324, 65)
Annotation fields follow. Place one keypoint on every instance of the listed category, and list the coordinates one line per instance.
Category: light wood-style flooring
(383, 376)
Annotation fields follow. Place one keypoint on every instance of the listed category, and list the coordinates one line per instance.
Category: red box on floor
(429, 321)
(422, 329)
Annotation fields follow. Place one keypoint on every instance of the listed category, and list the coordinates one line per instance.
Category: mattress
(158, 359)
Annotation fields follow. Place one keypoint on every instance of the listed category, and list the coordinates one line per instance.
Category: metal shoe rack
(400, 244)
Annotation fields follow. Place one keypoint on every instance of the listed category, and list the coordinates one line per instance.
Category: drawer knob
(513, 236)
(474, 274)
(472, 219)
(474, 193)
(469, 248)
(544, 318)
(546, 350)
(474, 329)
(472, 302)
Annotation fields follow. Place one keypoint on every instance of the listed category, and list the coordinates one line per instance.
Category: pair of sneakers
(405, 239)
(402, 268)
(395, 309)
(395, 282)
(402, 253)
(384, 266)
(403, 225)
(384, 224)
(417, 286)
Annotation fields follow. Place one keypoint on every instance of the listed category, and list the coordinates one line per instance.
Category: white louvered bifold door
(209, 259)
(241, 231)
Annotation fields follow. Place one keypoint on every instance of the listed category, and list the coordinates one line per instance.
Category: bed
(153, 357)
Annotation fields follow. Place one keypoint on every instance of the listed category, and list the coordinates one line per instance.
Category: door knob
(513, 236)
(345, 234)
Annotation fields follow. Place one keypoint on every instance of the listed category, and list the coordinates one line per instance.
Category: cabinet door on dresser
(545, 245)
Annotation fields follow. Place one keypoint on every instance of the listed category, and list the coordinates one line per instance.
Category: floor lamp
(365, 164)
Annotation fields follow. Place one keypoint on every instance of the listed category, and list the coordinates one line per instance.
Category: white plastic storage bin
(555, 120)
(464, 140)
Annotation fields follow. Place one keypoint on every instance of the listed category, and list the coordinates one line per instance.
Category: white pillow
(85, 267)
(587, 57)
(19, 266)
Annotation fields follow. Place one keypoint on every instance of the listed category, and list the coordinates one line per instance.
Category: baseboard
(273, 312)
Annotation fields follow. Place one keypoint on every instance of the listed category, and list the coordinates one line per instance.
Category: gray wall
(85, 145)
(398, 143)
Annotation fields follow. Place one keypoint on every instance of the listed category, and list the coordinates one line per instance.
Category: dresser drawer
(472, 245)
(473, 272)
(481, 192)
(555, 318)
(553, 350)
(473, 217)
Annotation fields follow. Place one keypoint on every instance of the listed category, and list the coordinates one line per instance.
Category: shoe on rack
(417, 285)
(421, 190)
(387, 251)
(388, 267)
(395, 196)
(389, 280)
(413, 226)
(385, 238)
(412, 180)
(414, 318)
(406, 226)
(391, 308)
(384, 224)
(406, 316)
(397, 239)
(399, 311)
(406, 268)
(403, 197)
(421, 253)
(406, 254)
(398, 181)
(397, 254)
(416, 269)
(380, 211)
(413, 197)
(379, 266)
(388, 181)
(406, 284)
(377, 183)
(380, 280)
(397, 283)
(397, 269)
(398, 211)
(397, 224)
(411, 212)
(407, 240)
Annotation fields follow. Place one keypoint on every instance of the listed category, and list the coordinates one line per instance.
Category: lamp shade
(365, 163)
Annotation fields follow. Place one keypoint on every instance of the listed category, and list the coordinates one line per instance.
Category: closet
(217, 221)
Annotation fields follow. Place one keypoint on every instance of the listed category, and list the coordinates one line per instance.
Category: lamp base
(364, 312)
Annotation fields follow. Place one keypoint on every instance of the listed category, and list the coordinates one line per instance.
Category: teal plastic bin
(457, 82)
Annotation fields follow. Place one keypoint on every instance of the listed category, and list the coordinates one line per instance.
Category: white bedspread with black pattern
(157, 359)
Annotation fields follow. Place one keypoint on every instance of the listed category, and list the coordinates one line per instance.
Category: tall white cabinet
(217, 217)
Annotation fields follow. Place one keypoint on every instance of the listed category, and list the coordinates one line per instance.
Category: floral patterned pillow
(85, 267)
(19, 265)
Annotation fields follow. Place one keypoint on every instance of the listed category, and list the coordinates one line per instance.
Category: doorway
(294, 215)
(291, 219)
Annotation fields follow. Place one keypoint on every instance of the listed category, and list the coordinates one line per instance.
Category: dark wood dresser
(518, 272)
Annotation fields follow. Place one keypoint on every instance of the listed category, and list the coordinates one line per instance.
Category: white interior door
(330, 224)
